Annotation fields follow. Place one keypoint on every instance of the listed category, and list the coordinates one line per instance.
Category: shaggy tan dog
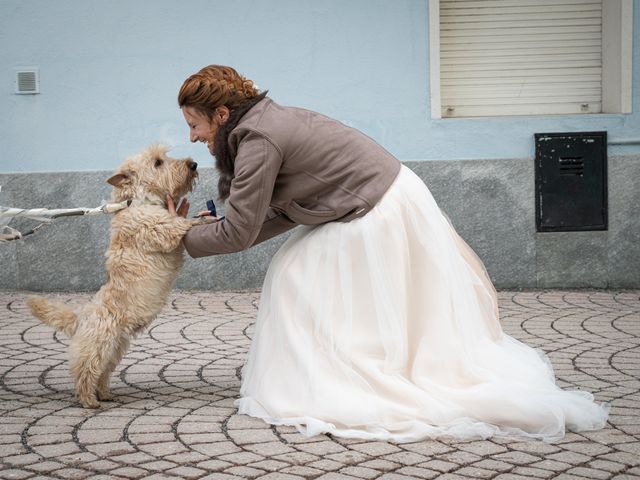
(143, 259)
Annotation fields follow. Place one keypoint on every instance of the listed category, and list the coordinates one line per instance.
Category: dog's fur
(143, 259)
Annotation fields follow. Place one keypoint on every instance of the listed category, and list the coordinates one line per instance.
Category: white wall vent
(27, 81)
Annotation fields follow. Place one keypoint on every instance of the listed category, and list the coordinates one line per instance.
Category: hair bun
(248, 88)
(216, 85)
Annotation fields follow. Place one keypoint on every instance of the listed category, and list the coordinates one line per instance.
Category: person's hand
(181, 210)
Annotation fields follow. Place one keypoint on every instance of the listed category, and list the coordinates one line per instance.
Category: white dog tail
(59, 316)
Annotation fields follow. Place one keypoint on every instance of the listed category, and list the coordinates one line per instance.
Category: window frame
(617, 59)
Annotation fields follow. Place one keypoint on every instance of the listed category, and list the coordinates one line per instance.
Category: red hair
(215, 86)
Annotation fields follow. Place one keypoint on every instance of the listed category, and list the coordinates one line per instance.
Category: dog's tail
(59, 316)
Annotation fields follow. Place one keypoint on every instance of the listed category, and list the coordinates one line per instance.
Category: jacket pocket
(302, 215)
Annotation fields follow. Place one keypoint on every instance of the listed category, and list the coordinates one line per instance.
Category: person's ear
(222, 114)
(119, 179)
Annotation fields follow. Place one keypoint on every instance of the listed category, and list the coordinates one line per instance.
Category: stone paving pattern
(173, 414)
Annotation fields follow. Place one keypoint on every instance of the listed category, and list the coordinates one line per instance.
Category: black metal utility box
(571, 181)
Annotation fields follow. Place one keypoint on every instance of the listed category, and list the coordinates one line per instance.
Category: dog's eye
(158, 162)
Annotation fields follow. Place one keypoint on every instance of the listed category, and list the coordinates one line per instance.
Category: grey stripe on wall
(490, 203)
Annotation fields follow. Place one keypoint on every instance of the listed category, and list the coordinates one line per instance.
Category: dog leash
(46, 216)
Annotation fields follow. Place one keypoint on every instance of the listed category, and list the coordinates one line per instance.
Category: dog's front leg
(161, 232)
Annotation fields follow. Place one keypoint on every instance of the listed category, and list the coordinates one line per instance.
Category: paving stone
(216, 449)
(269, 465)
(587, 448)
(196, 438)
(216, 476)
(304, 472)
(493, 465)
(245, 472)
(74, 473)
(531, 472)
(214, 465)
(376, 449)
(405, 458)
(322, 448)
(281, 476)
(57, 450)
(589, 473)
(622, 457)
(25, 459)
(475, 472)
(572, 458)
(396, 476)
(428, 448)
(360, 472)
(15, 473)
(51, 466)
(382, 465)
(111, 449)
(186, 457)
(634, 471)
(348, 457)
(163, 448)
(241, 458)
(133, 458)
(299, 458)
(460, 457)
(607, 465)
(186, 472)
(416, 472)
(336, 476)
(512, 476)
(516, 458)
(164, 476)
(328, 465)
(269, 449)
(254, 435)
(101, 465)
(130, 472)
(483, 448)
(439, 465)
(174, 416)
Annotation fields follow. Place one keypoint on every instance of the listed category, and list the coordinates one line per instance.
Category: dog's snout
(192, 165)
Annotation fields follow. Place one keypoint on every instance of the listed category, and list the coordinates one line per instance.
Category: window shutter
(520, 57)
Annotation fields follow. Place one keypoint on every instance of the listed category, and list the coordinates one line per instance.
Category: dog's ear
(119, 179)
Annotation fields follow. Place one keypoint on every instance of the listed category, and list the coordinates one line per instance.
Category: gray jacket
(293, 166)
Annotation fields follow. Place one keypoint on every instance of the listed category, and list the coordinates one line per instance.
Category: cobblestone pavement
(173, 413)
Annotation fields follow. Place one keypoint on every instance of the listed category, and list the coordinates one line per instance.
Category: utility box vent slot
(571, 181)
(572, 166)
(27, 81)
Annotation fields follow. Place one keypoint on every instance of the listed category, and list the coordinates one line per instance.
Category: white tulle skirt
(387, 328)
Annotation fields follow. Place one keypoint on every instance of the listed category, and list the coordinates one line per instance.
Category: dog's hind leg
(86, 365)
(121, 347)
(91, 353)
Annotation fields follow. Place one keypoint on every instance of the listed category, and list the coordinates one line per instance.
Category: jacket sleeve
(256, 167)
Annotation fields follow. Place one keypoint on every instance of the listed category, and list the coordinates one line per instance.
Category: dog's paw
(105, 396)
(203, 220)
(89, 402)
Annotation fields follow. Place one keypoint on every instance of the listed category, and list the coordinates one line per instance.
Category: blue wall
(110, 72)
